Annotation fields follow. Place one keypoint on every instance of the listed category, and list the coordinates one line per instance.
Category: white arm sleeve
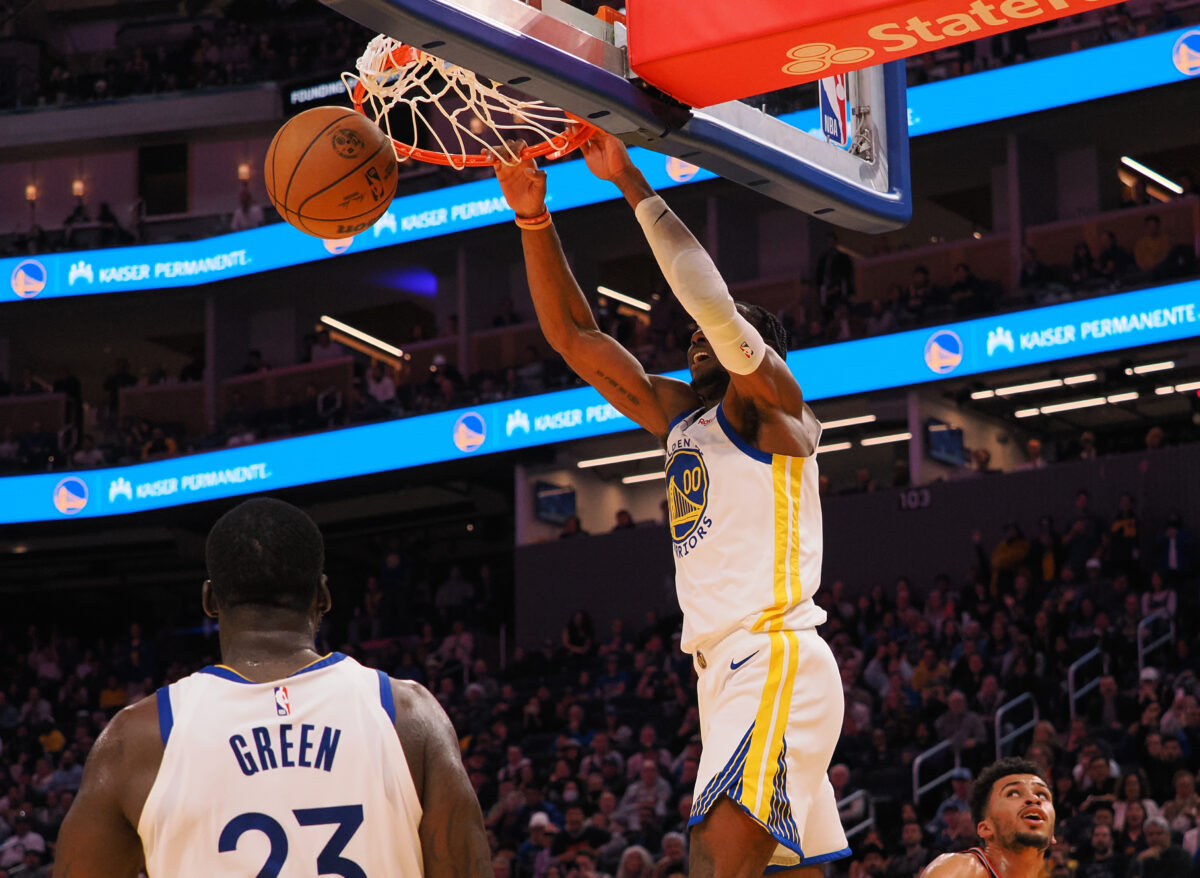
(699, 287)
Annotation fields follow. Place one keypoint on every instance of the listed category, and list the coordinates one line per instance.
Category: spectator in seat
(965, 293)
(576, 835)
(834, 273)
(120, 378)
(636, 862)
(1084, 270)
(1174, 549)
(1188, 183)
(882, 318)
(254, 363)
(839, 779)
(23, 840)
(88, 455)
(1007, 557)
(1161, 858)
(1033, 274)
(920, 295)
(962, 727)
(1114, 260)
(1152, 248)
(248, 215)
(325, 348)
(160, 445)
(915, 856)
(1133, 787)
(534, 853)
(572, 528)
(1100, 859)
(1084, 538)
(650, 792)
(380, 386)
(1033, 456)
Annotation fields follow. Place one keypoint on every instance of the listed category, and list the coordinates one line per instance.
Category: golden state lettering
(917, 34)
(285, 746)
(979, 16)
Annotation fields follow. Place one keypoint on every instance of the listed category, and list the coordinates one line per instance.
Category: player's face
(709, 378)
(1020, 813)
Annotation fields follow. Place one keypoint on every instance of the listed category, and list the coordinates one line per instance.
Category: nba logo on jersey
(283, 706)
(836, 110)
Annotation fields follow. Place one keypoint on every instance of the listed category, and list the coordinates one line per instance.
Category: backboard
(555, 52)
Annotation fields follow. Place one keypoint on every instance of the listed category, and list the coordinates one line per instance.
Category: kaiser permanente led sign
(954, 103)
(1000, 342)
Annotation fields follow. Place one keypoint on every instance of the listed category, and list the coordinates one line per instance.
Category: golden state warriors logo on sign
(687, 492)
(469, 431)
(681, 171)
(28, 278)
(943, 352)
(1186, 53)
(70, 495)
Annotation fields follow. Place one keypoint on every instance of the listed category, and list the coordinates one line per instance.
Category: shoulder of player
(126, 755)
(957, 865)
(675, 397)
(133, 733)
(424, 729)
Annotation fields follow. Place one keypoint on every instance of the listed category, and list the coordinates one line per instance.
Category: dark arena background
(1010, 467)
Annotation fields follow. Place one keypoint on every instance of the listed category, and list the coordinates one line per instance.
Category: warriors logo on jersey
(687, 492)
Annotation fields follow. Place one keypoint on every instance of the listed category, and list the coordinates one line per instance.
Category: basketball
(330, 172)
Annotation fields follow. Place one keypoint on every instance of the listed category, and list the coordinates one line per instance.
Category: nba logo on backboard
(283, 706)
(836, 111)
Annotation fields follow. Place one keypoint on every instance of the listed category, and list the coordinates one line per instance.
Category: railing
(1143, 633)
(868, 822)
(1074, 694)
(1012, 734)
(919, 789)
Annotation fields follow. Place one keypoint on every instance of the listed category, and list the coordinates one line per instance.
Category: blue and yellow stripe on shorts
(756, 775)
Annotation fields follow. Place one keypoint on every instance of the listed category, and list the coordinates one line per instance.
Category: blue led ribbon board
(972, 347)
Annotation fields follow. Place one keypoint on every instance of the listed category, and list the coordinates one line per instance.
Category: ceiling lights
(621, 297)
(1076, 404)
(621, 458)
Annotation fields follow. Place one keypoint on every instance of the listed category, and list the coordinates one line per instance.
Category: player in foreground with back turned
(279, 762)
(745, 520)
(1013, 810)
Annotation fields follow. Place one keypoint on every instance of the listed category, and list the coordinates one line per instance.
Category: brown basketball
(330, 172)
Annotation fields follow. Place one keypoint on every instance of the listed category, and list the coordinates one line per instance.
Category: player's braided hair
(981, 791)
(267, 553)
(768, 326)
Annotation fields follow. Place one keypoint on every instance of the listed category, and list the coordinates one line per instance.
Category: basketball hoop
(446, 100)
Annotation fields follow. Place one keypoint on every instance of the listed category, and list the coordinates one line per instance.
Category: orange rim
(554, 148)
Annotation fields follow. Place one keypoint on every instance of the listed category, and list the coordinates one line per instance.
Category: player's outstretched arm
(453, 839)
(756, 372)
(567, 321)
(98, 838)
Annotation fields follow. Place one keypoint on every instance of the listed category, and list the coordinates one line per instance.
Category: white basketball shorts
(771, 707)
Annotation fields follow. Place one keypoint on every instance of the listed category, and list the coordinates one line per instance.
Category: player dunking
(745, 519)
(279, 761)
(1013, 811)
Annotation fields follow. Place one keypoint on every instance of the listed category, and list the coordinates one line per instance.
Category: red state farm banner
(708, 53)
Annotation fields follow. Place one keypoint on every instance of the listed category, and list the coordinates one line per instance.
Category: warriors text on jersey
(746, 529)
(297, 777)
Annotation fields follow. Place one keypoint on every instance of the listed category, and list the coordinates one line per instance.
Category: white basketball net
(427, 89)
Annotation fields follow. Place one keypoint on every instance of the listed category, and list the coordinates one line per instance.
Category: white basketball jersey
(746, 528)
(295, 778)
